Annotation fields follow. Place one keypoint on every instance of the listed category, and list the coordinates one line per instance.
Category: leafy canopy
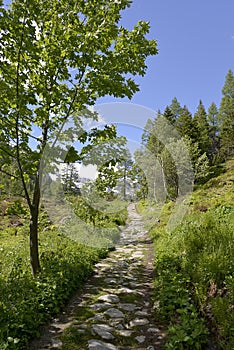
(58, 57)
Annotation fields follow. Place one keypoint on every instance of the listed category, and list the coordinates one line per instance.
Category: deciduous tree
(57, 57)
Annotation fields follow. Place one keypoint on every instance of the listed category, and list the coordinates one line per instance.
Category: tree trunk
(34, 213)
(34, 254)
(164, 177)
(124, 182)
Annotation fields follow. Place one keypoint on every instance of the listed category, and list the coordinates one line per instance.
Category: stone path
(114, 311)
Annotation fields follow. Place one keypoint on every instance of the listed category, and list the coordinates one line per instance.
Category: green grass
(194, 266)
(26, 302)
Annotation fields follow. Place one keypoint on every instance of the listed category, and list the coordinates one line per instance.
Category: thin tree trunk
(34, 253)
(125, 194)
(163, 177)
(34, 213)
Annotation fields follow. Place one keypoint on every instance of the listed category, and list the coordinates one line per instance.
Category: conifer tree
(171, 117)
(226, 117)
(202, 127)
(213, 131)
(175, 108)
(184, 124)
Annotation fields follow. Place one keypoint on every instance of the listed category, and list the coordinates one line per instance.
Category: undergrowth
(194, 267)
(26, 303)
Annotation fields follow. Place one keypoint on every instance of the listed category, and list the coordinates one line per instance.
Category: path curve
(114, 310)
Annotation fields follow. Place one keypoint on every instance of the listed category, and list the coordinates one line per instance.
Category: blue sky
(196, 49)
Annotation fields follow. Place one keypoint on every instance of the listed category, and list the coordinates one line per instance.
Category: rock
(109, 298)
(139, 322)
(142, 313)
(125, 290)
(128, 307)
(103, 331)
(153, 330)
(56, 343)
(110, 280)
(100, 306)
(119, 326)
(115, 313)
(125, 333)
(99, 345)
(99, 318)
(156, 305)
(140, 339)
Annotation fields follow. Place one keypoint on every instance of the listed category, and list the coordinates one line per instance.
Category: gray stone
(103, 331)
(100, 306)
(125, 290)
(99, 345)
(115, 313)
(140, 339)
(142, 313)
(98, 318)
(56, 343)
(110, 280)
(125, 333)
(139, 322)
(156, 304)
(153, 330)
(119, 326)
(128, 307)
(109, 298)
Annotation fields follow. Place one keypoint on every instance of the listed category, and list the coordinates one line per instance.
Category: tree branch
(8, 174)
(8, 153)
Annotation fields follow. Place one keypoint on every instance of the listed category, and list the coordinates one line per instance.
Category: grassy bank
(194, 267)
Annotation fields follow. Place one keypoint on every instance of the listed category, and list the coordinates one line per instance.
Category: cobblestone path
(114, 310)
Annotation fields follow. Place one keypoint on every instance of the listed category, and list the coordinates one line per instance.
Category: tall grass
(194, 268)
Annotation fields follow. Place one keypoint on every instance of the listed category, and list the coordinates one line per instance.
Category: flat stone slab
(140, 339)
(153, 330)
(99, 345)
(142, 313)
(100, 306)
(139, 322)
(104, 331)
(109, 298)
(125, 333)
(110, 280)
(115, 313)
(125, 290)
(127, 307)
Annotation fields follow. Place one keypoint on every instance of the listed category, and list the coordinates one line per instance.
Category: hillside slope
(194, 266)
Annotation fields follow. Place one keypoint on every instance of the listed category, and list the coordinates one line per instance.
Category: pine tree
(213, 131)
(184, 124)
(175, 108)
(226, 117)
(202, 126)
(171, 117)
